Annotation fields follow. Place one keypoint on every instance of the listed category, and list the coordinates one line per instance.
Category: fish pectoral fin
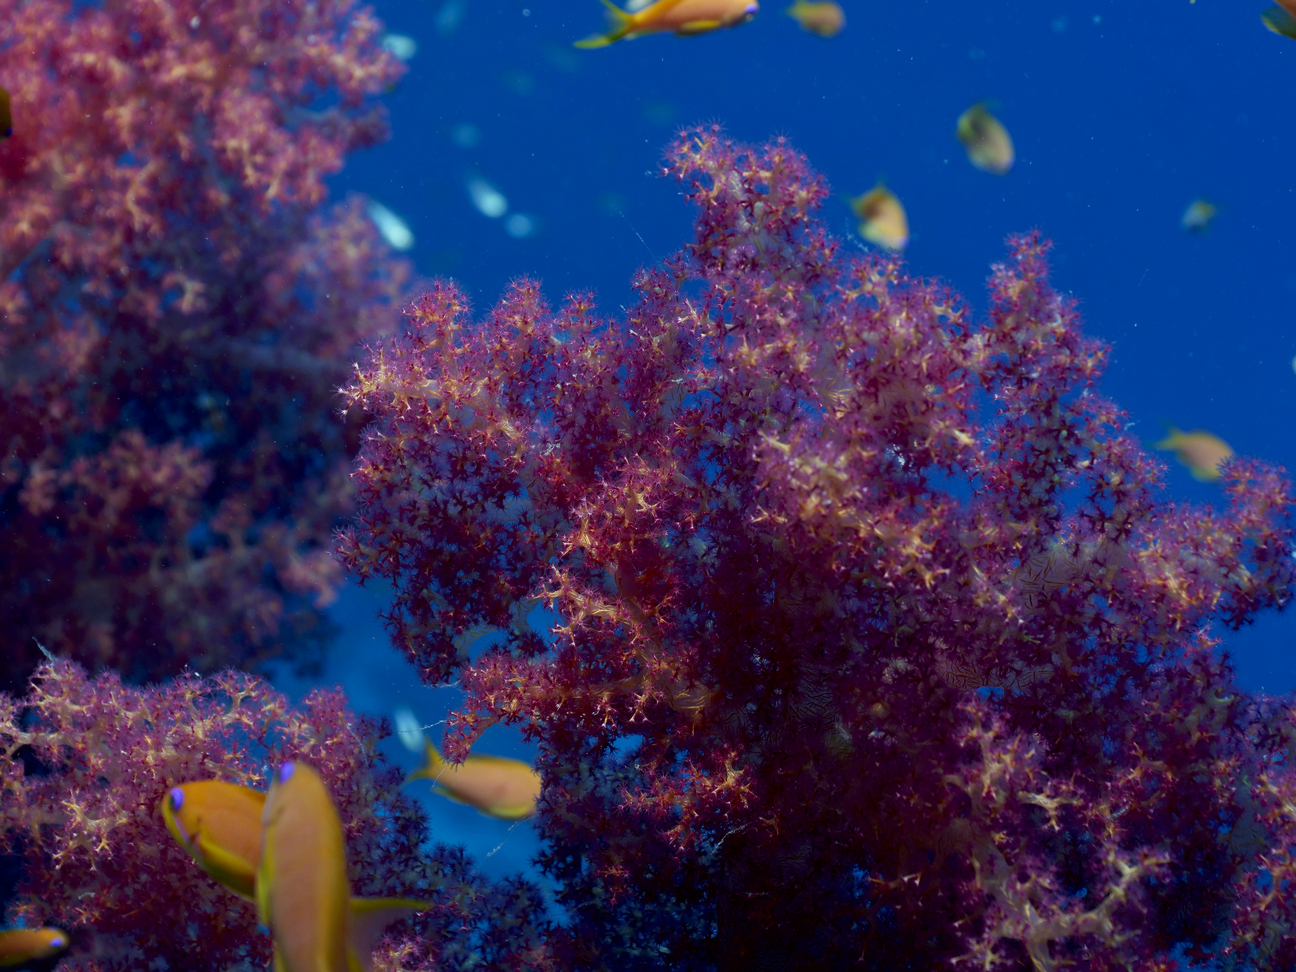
(694, 27)
(369, 919)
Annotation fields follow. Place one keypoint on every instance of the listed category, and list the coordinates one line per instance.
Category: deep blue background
(1121, 114)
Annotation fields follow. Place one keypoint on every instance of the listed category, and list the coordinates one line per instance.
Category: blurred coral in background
(84, 765)
(175, 316)
(878, 645)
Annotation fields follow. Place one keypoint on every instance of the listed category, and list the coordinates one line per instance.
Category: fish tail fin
(619, 27)
(1171, 441)
(368, 919)
(433, 765)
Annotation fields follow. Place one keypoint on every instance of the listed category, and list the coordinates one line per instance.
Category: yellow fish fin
(369, 919)
(433, 765)
(1172, 440)
(620, 26)
(695, 27)
(226, 867)
(1279, 21)
(279, 965)
(261, 893)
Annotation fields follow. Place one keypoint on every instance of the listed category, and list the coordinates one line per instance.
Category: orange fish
(219, 824)
(497, 786)
(21, 945)
(882, 218)
(826, 19)
(684, 18)
(1200, 451)
(302, 893)
(988, 144)
(6, 119)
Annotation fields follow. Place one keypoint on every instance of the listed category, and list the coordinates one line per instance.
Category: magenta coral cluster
(876, 644)
(175, 316)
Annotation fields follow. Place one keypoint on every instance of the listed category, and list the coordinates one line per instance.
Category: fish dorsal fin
(368, 920)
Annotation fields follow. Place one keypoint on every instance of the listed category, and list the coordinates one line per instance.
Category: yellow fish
(824, 19)
(684, 18)
(497, 786)
(219, 824)
(6, 119)
(20, 945)
(302, 894)
(1197, 217)
(1200, 451)
(882, 218)
(1281, 19)
(988, 144)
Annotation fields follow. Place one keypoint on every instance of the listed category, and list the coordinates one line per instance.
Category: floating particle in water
(465, 135)
(520, 226)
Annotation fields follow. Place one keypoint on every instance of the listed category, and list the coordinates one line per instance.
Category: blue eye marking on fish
(286, 772)
(177, 798)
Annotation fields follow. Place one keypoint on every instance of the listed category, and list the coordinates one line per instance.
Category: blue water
(1121, 113)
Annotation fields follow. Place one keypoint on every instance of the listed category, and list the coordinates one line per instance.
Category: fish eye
(177, 798)
(286, 772)
(58, 941)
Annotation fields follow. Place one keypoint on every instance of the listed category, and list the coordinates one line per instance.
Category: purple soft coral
(176, 318)
(909, 652)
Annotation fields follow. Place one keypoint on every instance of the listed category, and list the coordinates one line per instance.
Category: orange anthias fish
(6, 119)
(20, 945)
(684, 18)
(826, 19)
(1199, 450)
(302, 893)
(988, 144)
(882, 218)
(497, 786)
(219, 824)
